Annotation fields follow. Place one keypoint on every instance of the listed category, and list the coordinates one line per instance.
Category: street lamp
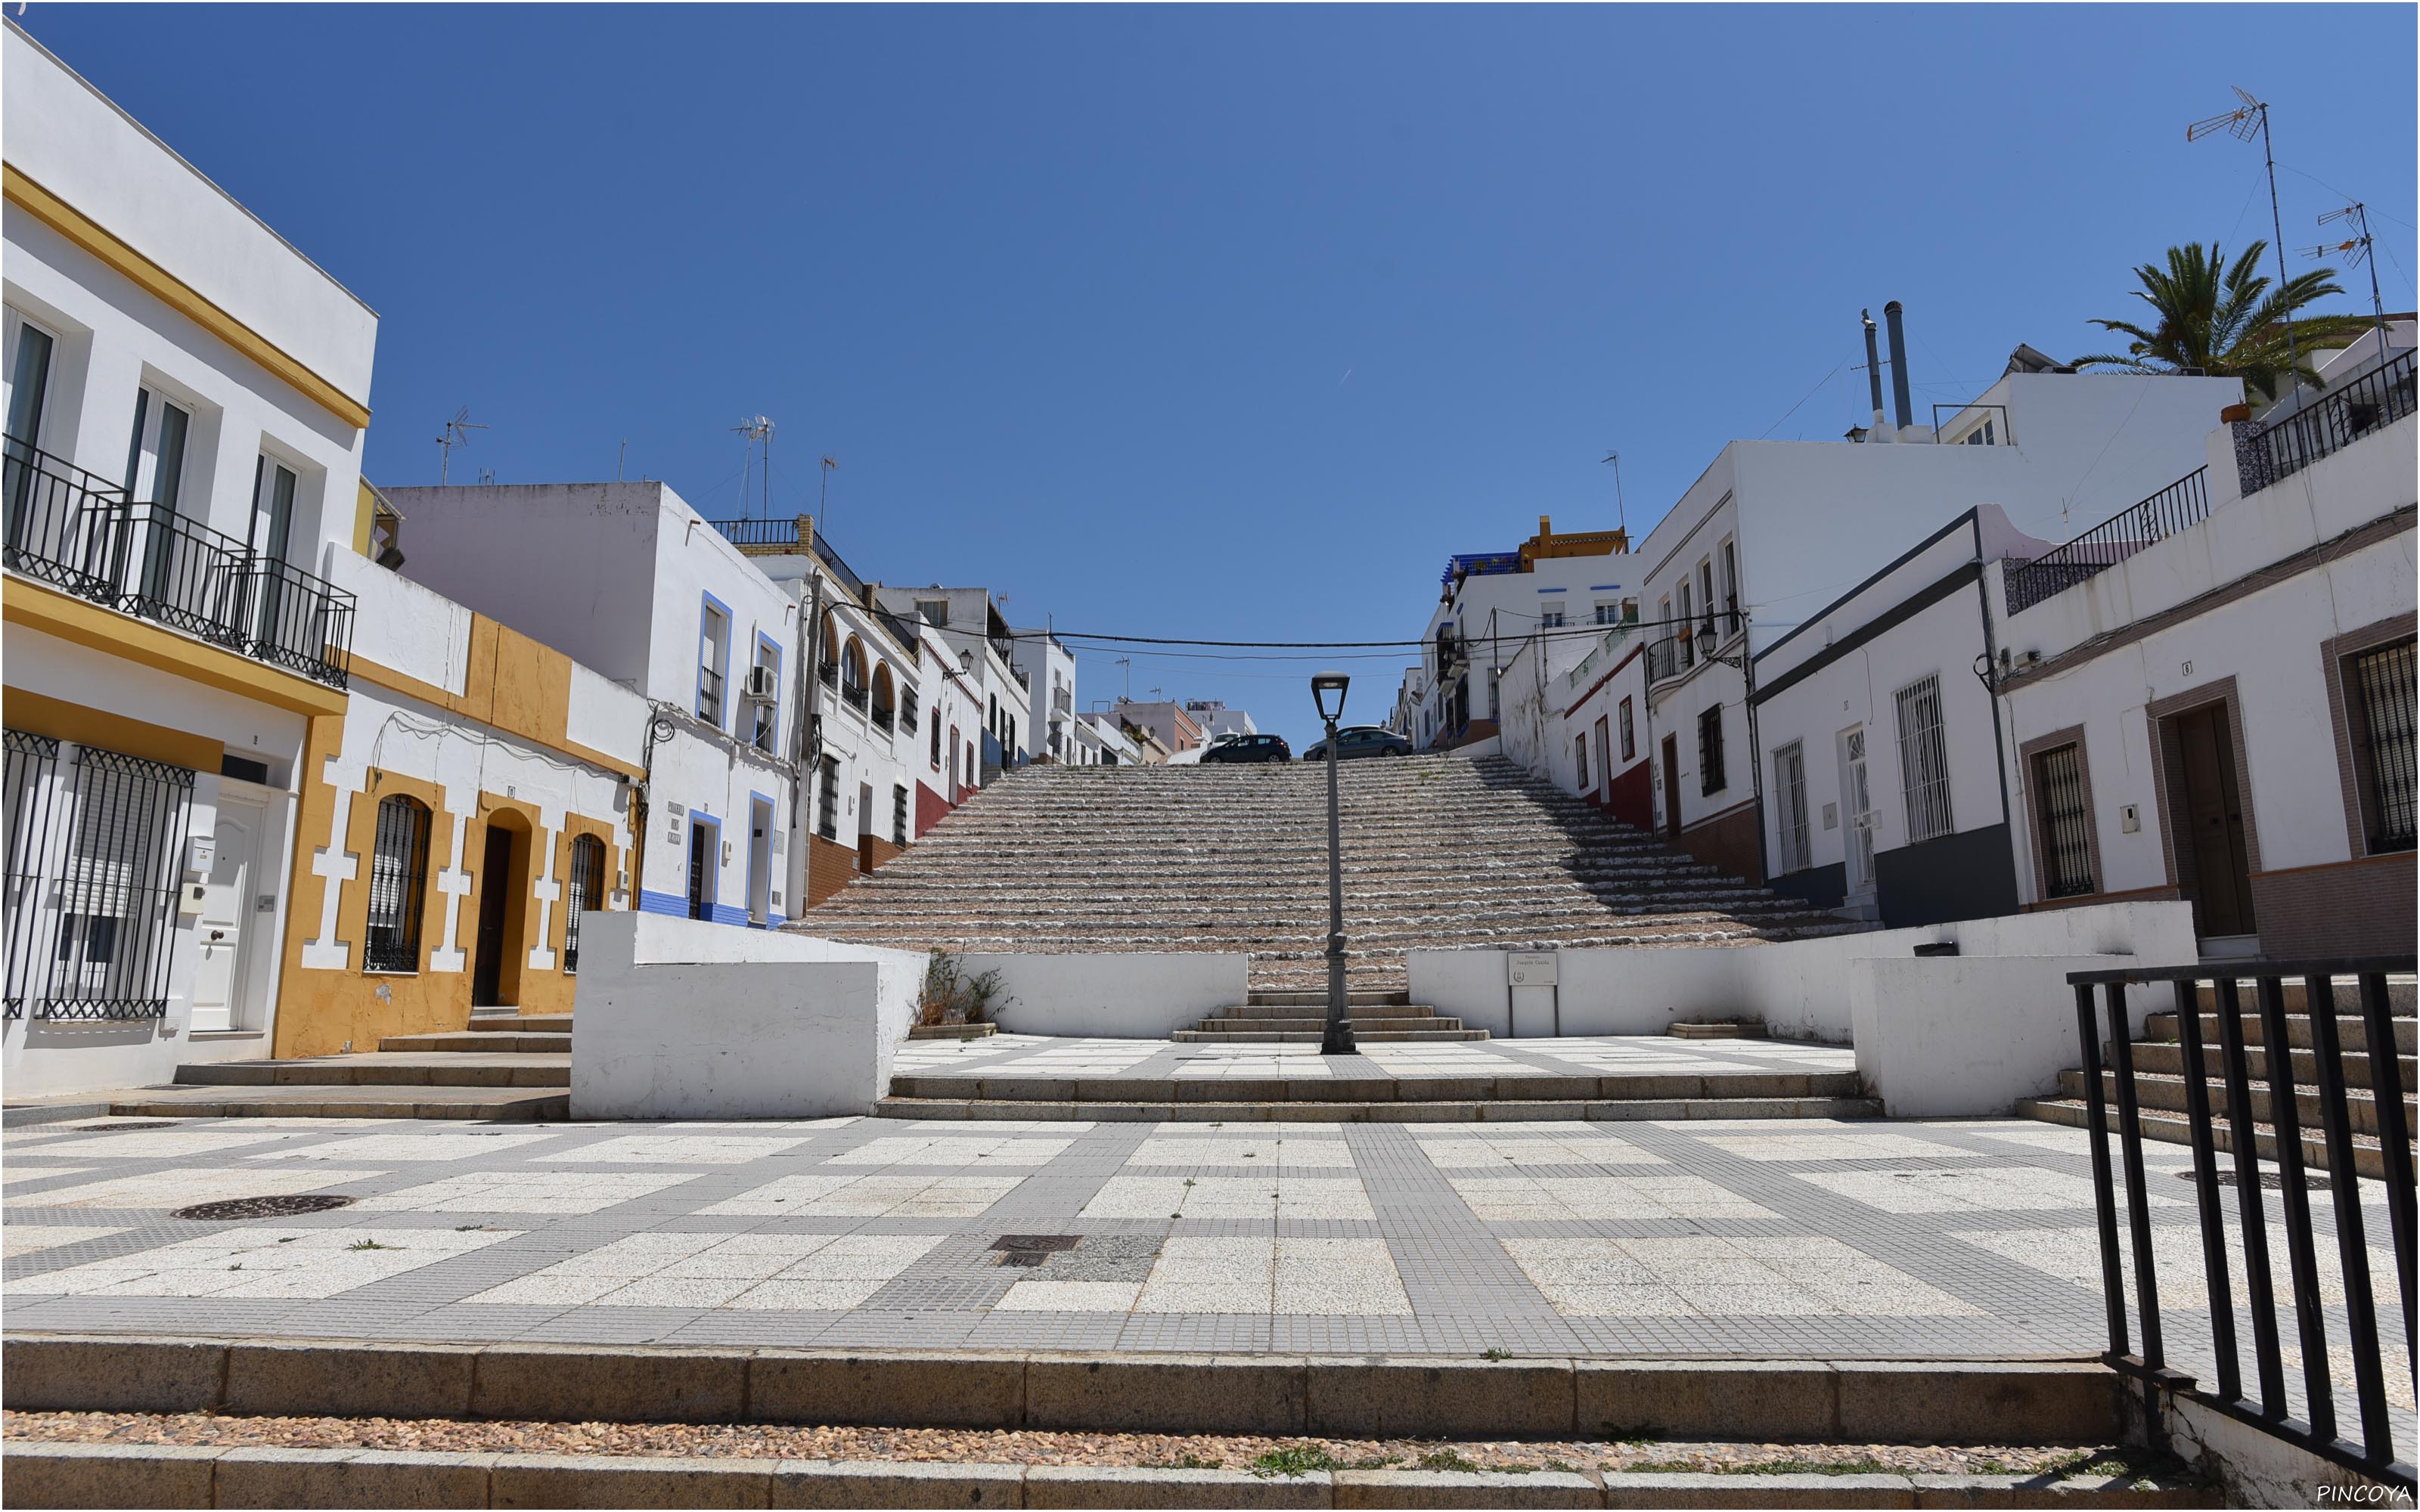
(1337, 1038)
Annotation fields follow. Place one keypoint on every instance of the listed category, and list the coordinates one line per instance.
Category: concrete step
(2167, 1094)
(1280, 1023)
(1492, 1110)
(951, 1031)
(1313, 1036)
(479, 1041)
(2167, 1057)
(384, 1070)
(2173, 1129)
(1748, 1085)
(501, 1104)
(1319, 1000)
(522, 1023)
(2352, 1032)
(1722, 1030)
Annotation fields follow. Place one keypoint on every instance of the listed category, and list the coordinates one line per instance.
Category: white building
(1048, 668)
(984, 648)
(1117, 747)
(1491, 603)
(1217, 719)
(2220, 709)
(641, 587)
(175, 654)
(1168, 722)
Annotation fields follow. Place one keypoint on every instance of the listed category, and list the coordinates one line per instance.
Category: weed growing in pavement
(1295, 1460)
(1496, 1354)
(1764, 1467)
(1189, 1463)
(1636, 1436)
(1453, 1460)
(371, 1243)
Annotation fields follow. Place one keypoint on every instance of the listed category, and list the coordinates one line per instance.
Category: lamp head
(1322, 685)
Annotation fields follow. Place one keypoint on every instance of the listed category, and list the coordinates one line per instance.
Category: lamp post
(1337, 1038)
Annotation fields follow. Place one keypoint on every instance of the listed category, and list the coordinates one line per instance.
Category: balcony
(82, 534)
(896, 628)
(1668, 657)
(2178, 506)
(2327, 424)
(856, 697)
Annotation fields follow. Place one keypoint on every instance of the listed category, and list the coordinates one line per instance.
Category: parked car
(1360, 740)
(1249, 748)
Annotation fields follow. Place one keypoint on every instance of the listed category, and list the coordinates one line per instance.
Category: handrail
(2328, 423)
(2179, 506)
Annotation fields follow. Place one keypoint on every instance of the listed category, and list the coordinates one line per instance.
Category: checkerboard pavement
(1713, 1238)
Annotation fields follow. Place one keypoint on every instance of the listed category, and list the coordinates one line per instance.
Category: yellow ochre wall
(516, 686)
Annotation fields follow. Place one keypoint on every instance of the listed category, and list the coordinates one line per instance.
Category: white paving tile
(1972, 1189)
(265, 1262)
(178, 1189)
(670, 1149)
(952, 1150)
(404, 1149)
(162, 1144)
(835, 1194)
(556, 1192)
(32, 1238)
(1277, 1196)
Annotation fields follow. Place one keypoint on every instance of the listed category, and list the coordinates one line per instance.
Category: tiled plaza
(1042, 1056)
(1743, 1238)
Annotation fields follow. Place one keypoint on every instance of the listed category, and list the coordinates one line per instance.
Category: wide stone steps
(480, 1043)
(2170, 1128)
(2353, 1033)
(497, 1068)
(385, 1069)
(1314, 1036)
(2167, 1094)
(2167, 1057)
(1481, 1110)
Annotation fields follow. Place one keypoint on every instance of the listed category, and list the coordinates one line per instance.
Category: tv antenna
(823, 489)
(1128, 662)
(752, 431)
(2356, 250)
(2241, 123)
(1622, 510)
(457, 433)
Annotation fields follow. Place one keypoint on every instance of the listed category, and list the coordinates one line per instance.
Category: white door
(1856, 814)
(224, 932)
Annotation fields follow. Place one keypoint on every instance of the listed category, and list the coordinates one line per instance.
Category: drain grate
(240, 1207)
(1035, 1243)
(129, 1123)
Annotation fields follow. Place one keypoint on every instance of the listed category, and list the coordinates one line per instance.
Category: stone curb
(1998, 1401)
(43, 1474)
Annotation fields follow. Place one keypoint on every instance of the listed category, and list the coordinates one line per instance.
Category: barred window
(111, 920)
(1790, 806)
(898, 816)
(827, 800)
(1923, 760)
(2380, 685)
(1629, 744)
(32, 781)
(399, 880)
(2060, 801)
(586, 892)
(1710, 751)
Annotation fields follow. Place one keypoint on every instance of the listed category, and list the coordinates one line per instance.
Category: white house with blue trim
(628, 578)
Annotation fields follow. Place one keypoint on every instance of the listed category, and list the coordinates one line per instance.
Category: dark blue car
(1360, 740)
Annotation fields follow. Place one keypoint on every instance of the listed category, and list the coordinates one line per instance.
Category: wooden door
(1673, 784)
(2217, 866)
(1604, 761)
(495, 892)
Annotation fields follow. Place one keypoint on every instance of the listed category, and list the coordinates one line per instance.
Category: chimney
(1545, 527)
(1874, 373)
(1899, 364)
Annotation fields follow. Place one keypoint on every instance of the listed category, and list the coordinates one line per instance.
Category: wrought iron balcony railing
(2178, 506)
(80, 532)
(1668, 657)
(2328, 423)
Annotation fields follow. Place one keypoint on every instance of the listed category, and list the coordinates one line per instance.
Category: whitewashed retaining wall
(1137, 996)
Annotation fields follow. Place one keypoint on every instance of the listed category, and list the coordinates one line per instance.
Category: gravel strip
(976, 1446)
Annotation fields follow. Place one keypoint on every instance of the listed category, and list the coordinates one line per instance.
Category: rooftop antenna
(2356, 251)
(457, 433)
(1128, 662)
(2239, 123)
(823, 489)
(752, 431)
(1622, 510)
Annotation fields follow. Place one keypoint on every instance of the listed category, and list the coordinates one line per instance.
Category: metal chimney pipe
(1873, 366)
(1899, 364)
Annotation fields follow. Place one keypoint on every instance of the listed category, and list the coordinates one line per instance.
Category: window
(936, 745)
(398, 877)
(1629, 744)
(898, 816)
(768, 714)
(1688, 637)
(1979, 435)
(1579, 751)
(713, 653)
(1609, 611)
(1731, 586)
(1923, 760)
(105, 911)
(1710, 750)
(2065, 822)
(936, 612)
(155, 458)
(29, 379)
(1790, 806)
(908, 710)
(1550, 614)
(586, 892)
(827, 800)
(1706, 591)
(2380, 684)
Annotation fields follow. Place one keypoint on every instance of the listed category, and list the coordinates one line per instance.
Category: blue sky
(1228, 323)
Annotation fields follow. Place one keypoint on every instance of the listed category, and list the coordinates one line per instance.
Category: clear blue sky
(1228, 323)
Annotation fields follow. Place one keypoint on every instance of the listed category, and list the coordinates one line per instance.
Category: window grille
(907, 711)
(587, 892)
(898, 816)
(399, 878)
(1580, 750)
(2065, 822)
(32, 784)
(112, 902)
(827, 800)
(1790, 794)
(2382, 679)
(1710, 751)
(1924, 760)
(1629, 742)
(936, 745)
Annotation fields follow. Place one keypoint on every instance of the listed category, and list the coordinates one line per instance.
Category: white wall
(1799, 988)
(1140, 995)
(1959, 1037)
(685, 1020)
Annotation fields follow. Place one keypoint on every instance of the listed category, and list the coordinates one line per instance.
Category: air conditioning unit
(762, 688)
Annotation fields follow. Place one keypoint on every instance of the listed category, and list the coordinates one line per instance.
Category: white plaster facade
(1050, 670)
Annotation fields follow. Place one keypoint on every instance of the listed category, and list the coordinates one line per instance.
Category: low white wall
(1965, 1036)
(679, 1019)
(1799, 988)
(1135, 997)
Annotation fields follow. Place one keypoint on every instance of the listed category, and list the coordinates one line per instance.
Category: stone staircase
(515, 1067)
(1439, 852)
(1301, 1018)
(2160, 1077)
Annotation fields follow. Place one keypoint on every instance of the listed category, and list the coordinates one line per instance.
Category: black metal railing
(896, 628)
(2369, 1447)
(2178, 506)
(2328, 423)
(33, 763)
(855, 695)
(792, 531)
(1668, 657)
(80, 533)
(828, 674)
(882, 718)
(93, 909)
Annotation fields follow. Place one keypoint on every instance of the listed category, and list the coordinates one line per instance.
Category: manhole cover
(2271, 1179)
(239, 1207)
(130, 1123)
(1035, 1243)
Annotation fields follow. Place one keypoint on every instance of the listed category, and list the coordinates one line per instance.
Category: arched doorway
(499, 947)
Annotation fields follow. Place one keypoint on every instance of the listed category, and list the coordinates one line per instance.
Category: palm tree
(2227, 324)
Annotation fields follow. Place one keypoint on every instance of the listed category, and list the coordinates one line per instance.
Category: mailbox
(201, 853)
